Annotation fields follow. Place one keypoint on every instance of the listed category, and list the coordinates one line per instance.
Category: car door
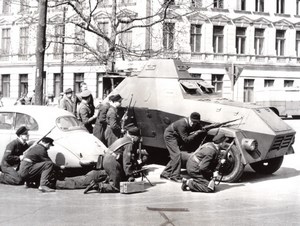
(7, 131)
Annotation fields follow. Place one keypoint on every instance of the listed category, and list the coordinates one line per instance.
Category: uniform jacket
(103, 109)
(38, 153)
(126, 149)
(77, 100)
(14, 149)
(84, 114)
(181, 130)
(114, 121)
(205, 160)
(66, 104)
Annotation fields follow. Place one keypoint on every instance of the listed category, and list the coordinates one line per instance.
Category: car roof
(44, 115)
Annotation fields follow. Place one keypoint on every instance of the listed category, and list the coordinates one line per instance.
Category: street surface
(256, 200)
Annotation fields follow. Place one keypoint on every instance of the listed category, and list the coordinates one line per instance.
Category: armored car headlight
(249, 144)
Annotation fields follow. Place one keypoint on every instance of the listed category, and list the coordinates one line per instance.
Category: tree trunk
(40, 51)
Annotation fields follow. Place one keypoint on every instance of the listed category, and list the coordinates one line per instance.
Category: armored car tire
(267, 166)
(233, 168)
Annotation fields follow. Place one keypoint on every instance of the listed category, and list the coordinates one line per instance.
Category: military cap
(85, 93)
(195, 117)
(111, 97)
(48, 140)
(69, 90)
(117, 98)
(133, 130)
(219, 138)
(23, 130)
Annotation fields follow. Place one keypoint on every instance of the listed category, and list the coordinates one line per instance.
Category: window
(259, 5)
(5, 81)
(280, 6)
(6, 6)
(243, 4)
(259, 41)
(280, 41)
(5, 45)
(99, 86)
(248, 90)
(218, 39)
(218, 4)
(6, 120)
(56, 87)
(195, 41)
(196, 3)
(269, 83)
(126, 1)
(23, 46)
(168, 36)
(298, 43)
(102, 45)
(240, 40)
(298, 7)
(24, 6)
(78, 79)
(217, 82)
(79, 40)
(57, 48)
(23, 84)
(26, 120)
(126, 36)
(288, 83)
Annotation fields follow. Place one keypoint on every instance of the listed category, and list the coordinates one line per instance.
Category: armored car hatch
(164, 91)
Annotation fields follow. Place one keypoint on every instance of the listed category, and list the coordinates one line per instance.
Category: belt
(27, 160)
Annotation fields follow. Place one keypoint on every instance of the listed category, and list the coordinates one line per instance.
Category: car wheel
(233, 168)
(267, 166)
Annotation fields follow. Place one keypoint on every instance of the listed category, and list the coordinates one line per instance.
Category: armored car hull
(164, 91)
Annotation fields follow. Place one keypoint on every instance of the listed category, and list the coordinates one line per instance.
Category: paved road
(255, 200)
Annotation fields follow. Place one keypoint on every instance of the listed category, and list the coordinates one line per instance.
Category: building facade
(242, 47)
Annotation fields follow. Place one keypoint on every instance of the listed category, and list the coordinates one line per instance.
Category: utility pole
(62, 60)
(40, 51)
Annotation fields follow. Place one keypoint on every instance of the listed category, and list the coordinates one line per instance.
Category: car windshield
(67, 123)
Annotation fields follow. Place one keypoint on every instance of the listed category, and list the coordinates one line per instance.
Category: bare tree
(121, 21)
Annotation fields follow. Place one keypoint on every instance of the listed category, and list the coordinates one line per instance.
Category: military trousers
(10, 176)
(31, 171)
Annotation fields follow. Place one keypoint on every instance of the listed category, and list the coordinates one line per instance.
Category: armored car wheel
(233, 167)
(267, 166)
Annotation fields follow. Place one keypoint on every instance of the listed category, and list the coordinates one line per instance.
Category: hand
(62, 167)
(215, 174)
(21, 157)
(131, 179)
(223, 161)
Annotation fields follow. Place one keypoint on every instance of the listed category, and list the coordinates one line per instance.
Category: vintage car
(73, 146)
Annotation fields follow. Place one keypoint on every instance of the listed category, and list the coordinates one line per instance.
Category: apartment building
(240, 46)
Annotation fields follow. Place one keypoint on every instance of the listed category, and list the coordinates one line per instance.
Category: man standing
(12, 156)
(77, 99)
(176, 135)
(66, 102)
(101, 124)
(85, 113)
(37, 163)
(120, 162)
(202, 166)
(113, 130)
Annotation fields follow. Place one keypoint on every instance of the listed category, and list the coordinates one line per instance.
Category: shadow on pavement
(283, 172)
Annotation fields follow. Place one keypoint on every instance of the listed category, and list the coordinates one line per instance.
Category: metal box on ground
(131, 187)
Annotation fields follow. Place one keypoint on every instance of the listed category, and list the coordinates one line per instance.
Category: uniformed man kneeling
(120, 163)
(201, 166)
(37, 164)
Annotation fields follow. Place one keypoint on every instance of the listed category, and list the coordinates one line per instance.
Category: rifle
(224, 159)
(142, 173)
(39, 140)
(217, 125)
(126, 114)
